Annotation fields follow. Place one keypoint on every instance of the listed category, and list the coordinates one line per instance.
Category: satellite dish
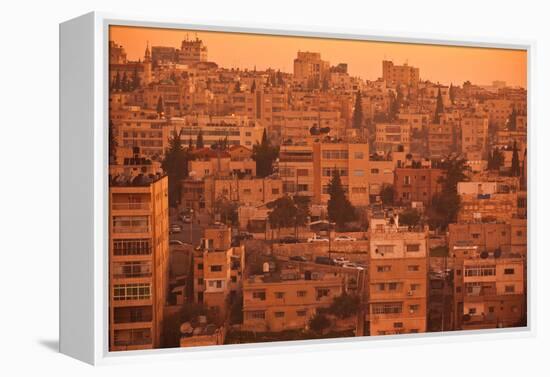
(484, 255)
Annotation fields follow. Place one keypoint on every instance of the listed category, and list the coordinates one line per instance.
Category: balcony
(131, 229)
(130, 206)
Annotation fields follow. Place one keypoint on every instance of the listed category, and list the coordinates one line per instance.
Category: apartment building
(351, 161)
(138, 261)
(442, 139)
(208, 162)
(238, 130)
(146, 134)
(489, 207)
(489, 289)
(474, 133)
(287, 299)
(217, 269)
(246, 190)
(296, 168)
(398, 283)
(192, 51)
(393, 137)
(507, 237)
(309, 68)
(396, 75)
(417, 184)
(299, 124)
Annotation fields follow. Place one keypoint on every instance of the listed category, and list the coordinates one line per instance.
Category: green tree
(319, 322)
(200, 140)
(344, 306)
(227, 210)
(160, 107)
(136, 81)
(357, 119)
(340, 210)
(452, 93)
(117, 84)
(238, 87)
(495, 160)
(439, 108)
(284, 213)
(387, 194)
(512, 120)
(125, 83)
(515, 170)
(253, 86)
(175, 166)
(409, 217)
(264, 154)
(446, 204)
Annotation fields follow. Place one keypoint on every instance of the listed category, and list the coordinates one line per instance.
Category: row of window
(387, 268)
(260, 314)
(137, 291)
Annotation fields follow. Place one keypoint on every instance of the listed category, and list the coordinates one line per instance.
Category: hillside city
(254, 205)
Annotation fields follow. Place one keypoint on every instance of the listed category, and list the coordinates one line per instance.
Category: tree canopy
(265, 155)
(340, 210)
(175, 166)
(357, 119)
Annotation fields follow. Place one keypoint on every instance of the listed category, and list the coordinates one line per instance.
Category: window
(359, 172)
(255, 314)
(131, 269)
(387, 308)
(407, 180)
(491, 309)
(413, 247)
(415, 287)
(475, 235)
(414, 308)
(216, 268)
(383, 268)
(398, 325)
(301, 293)
(233, 279)
(302, 172)
(358, 155)
(137, 291)
(322, 292)
(200, 266)
(132, 247)
(480, 271)
(375, 171)
(279, 295)
(130, 224)
(218, 284)
(384, 249)
(508, 271)
(393, 286)
(380, 287)
(300, 313)
(509, 289)
(413, 267)
(472, 311)
(275, 191)
(279, 314)
(258, 295)
(200, 281)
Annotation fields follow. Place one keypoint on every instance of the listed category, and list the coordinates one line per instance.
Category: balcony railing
(131, 229)
(130, 206)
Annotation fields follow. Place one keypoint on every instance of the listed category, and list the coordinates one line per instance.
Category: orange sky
(445, 64)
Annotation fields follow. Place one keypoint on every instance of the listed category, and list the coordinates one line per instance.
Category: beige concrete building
(309, 69)
(287, 300)
(392, 137)
(217, 269)
(138, 261)
(351, 160)
(398, 263)
(489, 289)
(395, 75)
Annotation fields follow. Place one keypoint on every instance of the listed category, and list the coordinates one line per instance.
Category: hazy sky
(445, 64)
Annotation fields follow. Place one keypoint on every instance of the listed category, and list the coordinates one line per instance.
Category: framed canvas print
(232, 189)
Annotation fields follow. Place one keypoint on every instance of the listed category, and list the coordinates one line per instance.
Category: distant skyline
(444, 64)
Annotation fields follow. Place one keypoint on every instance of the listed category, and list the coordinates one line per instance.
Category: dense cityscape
(258, 205)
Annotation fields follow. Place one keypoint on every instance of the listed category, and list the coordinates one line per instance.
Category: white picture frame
(84, 190)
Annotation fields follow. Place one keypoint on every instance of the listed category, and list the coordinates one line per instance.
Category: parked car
(353, 265)
(345, 238)
(316, 238)
(175, 228)
(341, 261)
(298, 258)
(325, 260)
(288, 239)
(186, 219)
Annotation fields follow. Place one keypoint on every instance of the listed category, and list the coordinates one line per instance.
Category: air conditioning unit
(409, 293)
